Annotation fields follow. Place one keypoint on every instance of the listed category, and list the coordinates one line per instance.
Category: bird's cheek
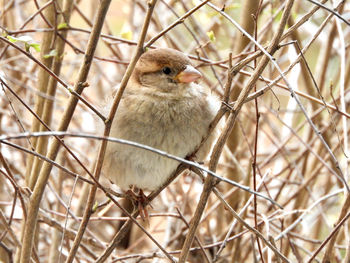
(172, 81)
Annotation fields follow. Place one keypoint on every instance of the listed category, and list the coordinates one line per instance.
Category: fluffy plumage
(162, 108)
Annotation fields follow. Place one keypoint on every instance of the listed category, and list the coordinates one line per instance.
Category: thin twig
(214, 158)
(28, 237)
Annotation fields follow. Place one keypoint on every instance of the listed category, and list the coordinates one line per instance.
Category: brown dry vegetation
(285, 132)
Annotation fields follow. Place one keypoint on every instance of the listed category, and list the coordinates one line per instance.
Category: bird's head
(165, 69)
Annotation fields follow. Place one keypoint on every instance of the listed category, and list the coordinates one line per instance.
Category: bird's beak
(189, 74)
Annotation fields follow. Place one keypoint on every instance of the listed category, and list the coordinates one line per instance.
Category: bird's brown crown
(156, 59)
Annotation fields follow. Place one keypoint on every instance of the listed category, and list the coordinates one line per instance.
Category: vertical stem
(257, 114)
(102, 149)
(39, 188)
(42, 84)
(210, 181)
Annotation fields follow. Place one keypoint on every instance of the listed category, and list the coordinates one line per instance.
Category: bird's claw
(140, 200)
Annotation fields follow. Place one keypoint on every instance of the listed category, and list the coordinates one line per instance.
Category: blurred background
(272, 144)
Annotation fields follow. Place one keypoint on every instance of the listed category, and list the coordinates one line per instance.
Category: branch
(28, 237)
(210, 181)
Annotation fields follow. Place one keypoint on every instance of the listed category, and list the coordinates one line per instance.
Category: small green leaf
(94, 207)
(36, 46)
(127, 35)
(52, 53)
(62, 26)
(211, 36)
(233, 6)
(27, 47)
(26, 40)
(11, 39)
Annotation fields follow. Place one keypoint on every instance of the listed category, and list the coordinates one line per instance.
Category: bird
(161, 107)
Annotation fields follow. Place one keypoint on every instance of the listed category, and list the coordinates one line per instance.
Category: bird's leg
(142, 203)
(140, 200)
(191, 157)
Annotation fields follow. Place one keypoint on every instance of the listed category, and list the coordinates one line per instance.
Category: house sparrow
(162, 108)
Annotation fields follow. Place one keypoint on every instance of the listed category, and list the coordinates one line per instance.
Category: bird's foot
(191, 157)
(140, 200)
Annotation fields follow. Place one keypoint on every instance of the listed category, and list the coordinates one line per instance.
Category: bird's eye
(166, 70)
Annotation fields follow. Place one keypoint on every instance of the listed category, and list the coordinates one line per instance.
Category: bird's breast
(175, 126)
